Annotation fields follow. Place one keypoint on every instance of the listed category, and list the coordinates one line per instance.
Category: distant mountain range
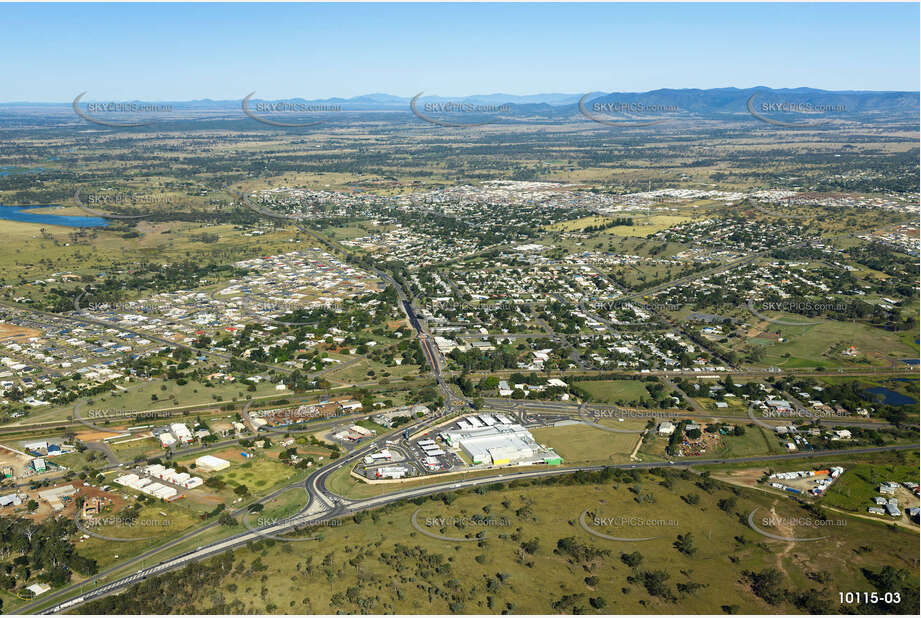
(375, 100)
(690, 100)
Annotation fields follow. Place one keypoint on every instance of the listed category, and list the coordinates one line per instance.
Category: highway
(332, 506)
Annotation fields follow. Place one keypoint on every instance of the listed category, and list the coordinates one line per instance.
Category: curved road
(325, 505)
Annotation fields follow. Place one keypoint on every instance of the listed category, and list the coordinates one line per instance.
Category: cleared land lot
(612, 391)
(583, 444)
(644, 226)
(823, 344)
(755, 441)
(155, 524)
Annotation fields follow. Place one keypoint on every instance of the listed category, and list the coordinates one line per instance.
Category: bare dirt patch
(18, 462)
(231, 454)
(96, 436)
(16, 333)
(94, 492)
(746, 478)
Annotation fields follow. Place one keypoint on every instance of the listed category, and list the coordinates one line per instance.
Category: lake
(890, 397)
(21, 214)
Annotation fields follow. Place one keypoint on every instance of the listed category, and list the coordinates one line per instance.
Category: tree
(656, 583)
(632, 560)
(685, 544)
(766, 585)
(531, 546)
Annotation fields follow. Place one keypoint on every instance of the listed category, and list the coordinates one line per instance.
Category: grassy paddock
(366, 563)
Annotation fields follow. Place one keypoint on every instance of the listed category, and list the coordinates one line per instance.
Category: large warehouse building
(210, 463)
(497, 444)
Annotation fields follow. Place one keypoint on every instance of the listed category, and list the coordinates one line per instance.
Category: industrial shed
(496, 444)
(210, 463)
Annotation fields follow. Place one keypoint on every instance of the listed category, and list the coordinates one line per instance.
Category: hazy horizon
(437, 96)
(189, 52)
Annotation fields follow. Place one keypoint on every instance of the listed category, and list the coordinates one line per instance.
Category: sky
(176, 52)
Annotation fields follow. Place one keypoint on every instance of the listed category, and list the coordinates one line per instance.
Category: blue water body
(20, 213)
(8, 169)
(891, 398)
(910, 361)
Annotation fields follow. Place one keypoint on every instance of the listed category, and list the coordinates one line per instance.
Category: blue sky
(224, 51)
